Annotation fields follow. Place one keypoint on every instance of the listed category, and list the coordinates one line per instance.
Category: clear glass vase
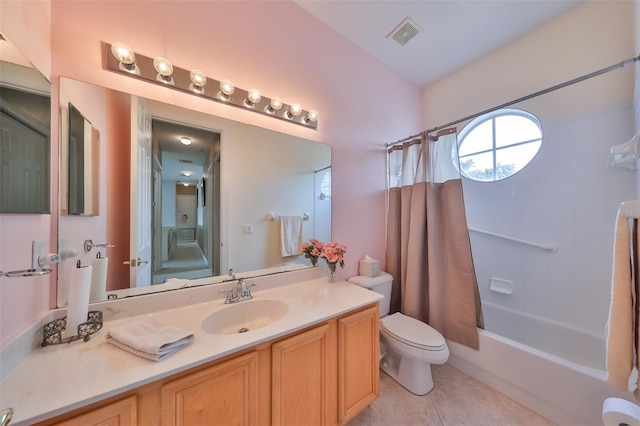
(332, 272)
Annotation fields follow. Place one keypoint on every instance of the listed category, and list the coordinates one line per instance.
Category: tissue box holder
(369, 269)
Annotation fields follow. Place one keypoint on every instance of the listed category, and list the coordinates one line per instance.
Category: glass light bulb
(276, 103)
(163, 66)
(254, 96)
(295, 110)
(312, 116)
(227, 87)
(198, 78)
(185, 141)
(123, 53)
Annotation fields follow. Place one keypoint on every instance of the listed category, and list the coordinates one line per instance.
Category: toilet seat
(413, 332)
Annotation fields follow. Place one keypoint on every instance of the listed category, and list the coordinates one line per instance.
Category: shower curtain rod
(524, 98)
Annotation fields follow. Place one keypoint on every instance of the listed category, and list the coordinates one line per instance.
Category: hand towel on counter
(149, 338)
(290, 235)
(623, 312)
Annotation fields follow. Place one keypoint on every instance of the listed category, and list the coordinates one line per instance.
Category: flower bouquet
(332, 252)
(312, 250)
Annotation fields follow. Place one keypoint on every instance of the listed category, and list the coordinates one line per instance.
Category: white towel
(290, 235)
(149, 338)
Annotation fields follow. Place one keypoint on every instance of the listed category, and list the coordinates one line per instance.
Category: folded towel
(149, 338)
(290, 235)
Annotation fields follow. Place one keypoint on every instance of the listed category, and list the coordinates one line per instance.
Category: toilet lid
(412, 331)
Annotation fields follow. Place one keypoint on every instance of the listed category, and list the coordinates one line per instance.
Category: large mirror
(187, 198)
(25, 115)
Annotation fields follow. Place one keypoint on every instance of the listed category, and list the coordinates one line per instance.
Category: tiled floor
(457, 399)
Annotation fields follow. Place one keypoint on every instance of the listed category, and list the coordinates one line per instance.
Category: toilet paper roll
(99, 279)
(617, 411)
(79, 291)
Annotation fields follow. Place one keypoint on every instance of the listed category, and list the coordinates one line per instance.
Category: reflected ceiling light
(226, 89)
(125, 57)
(121, 59)
(198, 80)
(185, 184)
(164, 68)
(186, 173)
(311, 117)
(274, 105)
(253, 97)
(185, 141)
(294, 111)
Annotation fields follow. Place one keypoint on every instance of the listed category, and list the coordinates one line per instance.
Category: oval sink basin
(245, 316)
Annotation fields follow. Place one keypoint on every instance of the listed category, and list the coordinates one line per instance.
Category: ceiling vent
(185, 161)
(405, 31)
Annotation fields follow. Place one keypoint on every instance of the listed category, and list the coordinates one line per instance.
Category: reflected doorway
(186, 201)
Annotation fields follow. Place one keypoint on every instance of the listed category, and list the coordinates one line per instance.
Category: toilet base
(413, 375)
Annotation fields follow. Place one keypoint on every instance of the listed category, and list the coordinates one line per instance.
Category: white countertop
(59, 378)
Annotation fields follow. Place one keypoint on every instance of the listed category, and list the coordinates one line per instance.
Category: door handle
(135, 262)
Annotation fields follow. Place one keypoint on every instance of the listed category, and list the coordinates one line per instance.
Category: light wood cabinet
(301, 379)
(358, 359)
(322, 375)
(225, 394)
(123, 412)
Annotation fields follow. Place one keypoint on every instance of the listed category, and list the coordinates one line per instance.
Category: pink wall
(277, 47)
(27, 24)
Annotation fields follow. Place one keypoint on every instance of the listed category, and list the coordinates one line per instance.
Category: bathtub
(566, 392)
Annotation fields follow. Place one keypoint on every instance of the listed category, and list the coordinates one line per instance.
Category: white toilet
(408, 346)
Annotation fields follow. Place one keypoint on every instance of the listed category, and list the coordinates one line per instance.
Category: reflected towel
(149, 338)
(290, 235)
(623, 311)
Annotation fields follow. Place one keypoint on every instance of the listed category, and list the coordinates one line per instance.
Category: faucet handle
(230, 297)
(243, 289)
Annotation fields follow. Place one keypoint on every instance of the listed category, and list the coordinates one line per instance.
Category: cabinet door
(225, 394)
(120, 413)
(358, 362)
(300, 379)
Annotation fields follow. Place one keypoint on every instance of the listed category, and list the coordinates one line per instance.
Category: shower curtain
(428, 248)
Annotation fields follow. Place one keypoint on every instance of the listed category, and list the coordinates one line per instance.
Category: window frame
(492, 116)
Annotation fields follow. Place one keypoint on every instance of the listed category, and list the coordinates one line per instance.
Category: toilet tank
(380, 284)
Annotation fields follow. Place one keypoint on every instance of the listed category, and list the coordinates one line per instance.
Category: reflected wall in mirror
(81, 163)
(191, 210)
(25, 123)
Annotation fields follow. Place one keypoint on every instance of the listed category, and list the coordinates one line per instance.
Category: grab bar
(550, 247)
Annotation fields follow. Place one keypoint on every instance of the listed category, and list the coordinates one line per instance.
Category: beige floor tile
(399, 407)
(456, 400)
(447, 372)
(460, 403)
(521, 414)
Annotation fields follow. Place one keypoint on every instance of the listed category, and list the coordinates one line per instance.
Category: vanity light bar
(160, 71)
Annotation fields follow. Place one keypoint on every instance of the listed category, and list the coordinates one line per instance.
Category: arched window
(499, 144)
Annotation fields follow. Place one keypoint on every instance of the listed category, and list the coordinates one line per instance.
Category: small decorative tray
(52, 331)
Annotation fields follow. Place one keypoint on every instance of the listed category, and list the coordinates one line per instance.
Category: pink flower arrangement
(332, 252)
(312, 250)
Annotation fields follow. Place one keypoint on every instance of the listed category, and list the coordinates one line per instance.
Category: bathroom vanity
(316, 365)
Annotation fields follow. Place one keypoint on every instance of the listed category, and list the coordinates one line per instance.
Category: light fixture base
(211, 91)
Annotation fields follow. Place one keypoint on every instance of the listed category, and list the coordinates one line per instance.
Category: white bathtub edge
(564, 395)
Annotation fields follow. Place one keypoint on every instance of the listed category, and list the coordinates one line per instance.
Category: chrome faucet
(242, 292)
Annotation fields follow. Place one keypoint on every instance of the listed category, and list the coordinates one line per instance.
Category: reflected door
(141, 196)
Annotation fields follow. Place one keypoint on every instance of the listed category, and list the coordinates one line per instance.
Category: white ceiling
(455, 32)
